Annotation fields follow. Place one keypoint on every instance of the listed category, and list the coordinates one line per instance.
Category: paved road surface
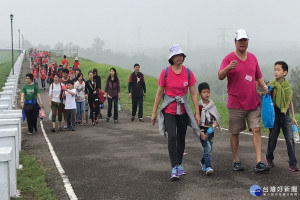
(129, 160)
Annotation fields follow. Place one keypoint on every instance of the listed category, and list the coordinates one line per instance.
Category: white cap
(240, 34)
(76, 58)
(175, 50)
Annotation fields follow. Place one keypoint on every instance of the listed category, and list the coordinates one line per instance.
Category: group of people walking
(67, 98)
(242, 71)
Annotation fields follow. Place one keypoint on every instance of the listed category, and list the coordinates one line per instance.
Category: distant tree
(59, 45)
(295, 82)
(98, 44)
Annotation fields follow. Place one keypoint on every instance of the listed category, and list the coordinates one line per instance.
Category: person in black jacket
(91, 91)
(97, 77)
(137, 91)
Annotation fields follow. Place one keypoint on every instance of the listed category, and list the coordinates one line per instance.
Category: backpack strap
(188, 71)
(166, 73)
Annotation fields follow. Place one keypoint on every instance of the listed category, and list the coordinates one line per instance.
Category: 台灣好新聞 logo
(255, 190)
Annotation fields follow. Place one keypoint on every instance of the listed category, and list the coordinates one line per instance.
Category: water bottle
(295, 133)
(209, 131)
(119, 106)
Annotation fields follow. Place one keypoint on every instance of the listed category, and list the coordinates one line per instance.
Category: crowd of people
(68, 96)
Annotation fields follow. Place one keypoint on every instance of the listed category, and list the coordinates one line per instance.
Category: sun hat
(240, 34)
(175, 49)
(76, 58)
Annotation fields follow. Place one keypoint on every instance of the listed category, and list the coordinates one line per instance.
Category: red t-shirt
(176, 85)
(65, 63)
(241, 87)
(76, 64)
(45, 60)
(35, 73)
(71, 72)
(43, 73)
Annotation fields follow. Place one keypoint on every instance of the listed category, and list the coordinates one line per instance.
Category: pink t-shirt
(241, 88)
(176, 85)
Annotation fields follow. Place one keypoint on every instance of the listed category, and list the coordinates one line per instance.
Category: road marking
(60, 169)
(263, 136)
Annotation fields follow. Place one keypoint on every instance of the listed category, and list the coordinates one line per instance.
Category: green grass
(5, 65)
(32, 179)
(151, 84)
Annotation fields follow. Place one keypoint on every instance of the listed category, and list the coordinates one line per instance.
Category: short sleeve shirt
(30, 91)
(176, 85)
(241, 87)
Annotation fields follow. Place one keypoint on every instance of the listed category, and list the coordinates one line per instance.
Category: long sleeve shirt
(136, 85)
(112, 88)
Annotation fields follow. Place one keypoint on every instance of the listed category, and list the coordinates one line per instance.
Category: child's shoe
(180, 170)
(270, 163)
(209, 171)
(203, 167)
(174, 174)
(294, 168)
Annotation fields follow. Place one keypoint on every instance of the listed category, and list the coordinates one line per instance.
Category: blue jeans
(282, 121)
(207, 146)
(80, 110)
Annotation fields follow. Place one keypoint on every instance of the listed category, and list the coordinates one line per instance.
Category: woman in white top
(80, 99)
(55, 102)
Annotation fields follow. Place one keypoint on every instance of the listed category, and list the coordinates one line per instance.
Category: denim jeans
(282, 121)
(80, 110)
(207, 146)
(111, 101)
(43, 83)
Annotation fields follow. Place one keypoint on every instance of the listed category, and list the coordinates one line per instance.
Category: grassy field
(31, 180)
(5, 65)
(151, 84)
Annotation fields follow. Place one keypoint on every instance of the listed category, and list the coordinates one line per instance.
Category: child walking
(70, 106)
(282, 95)
(210, 118)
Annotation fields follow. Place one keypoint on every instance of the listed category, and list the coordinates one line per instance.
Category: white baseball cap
(175, 49)
(76, 58)
(240, 34)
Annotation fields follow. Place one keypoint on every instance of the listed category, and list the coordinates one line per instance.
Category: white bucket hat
(175, 49)
(240, 34)
(76, 58)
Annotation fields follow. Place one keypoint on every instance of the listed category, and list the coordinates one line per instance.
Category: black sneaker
(53, 130)
(261, 167)
(237, 166)
(294, 168)
(270, 163)
(107, 119)
(35, 129)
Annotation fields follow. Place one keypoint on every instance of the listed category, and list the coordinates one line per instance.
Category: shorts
(238, 118)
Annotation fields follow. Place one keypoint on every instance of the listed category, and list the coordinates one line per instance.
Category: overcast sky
(124, 24)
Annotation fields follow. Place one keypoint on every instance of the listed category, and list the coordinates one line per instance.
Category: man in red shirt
(76, 63)
(45, 62)
(43, 76)
(65, 62)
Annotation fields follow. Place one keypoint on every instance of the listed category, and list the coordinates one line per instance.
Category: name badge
(248, 78)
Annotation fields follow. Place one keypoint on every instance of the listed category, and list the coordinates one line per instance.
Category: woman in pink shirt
(174, 83)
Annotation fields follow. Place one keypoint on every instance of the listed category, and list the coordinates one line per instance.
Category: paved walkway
(129, 160)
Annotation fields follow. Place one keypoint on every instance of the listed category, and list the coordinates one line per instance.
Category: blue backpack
(267, 111)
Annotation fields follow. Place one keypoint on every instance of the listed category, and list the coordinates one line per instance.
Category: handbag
(267, 111)
(41, 114)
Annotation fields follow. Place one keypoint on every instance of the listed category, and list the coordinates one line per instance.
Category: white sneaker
(29, 133)
(209, 171)
(65, 127)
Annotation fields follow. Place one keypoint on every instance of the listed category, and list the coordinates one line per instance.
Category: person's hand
(94, 92)
(198, 119)
(144, 94)
(86, 96)
(232, 65)
(203, 136)
(50, 104)
(266, 90)
(65, 89)
(295, 121)
(153, 119)
(41, 105)
(129, 95)
(22, 105)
